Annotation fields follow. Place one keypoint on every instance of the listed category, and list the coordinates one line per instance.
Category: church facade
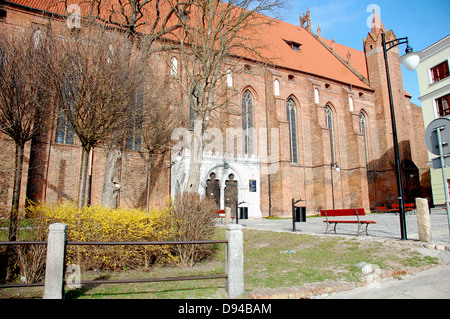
(313, 127)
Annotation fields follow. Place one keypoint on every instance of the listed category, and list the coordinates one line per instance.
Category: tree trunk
(196, 157)
(83, 176)
(150, 157)
(14, 214)
(111, 179)
(13, 226)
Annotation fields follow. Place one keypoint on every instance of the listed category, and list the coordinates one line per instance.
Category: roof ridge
(340, 58)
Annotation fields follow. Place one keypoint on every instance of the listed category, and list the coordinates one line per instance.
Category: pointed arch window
(174, 66)
(316, 96)
(363, 131)
(330, 126)
(229, 78)
(247, 122)
(276, 87)
(291, 117)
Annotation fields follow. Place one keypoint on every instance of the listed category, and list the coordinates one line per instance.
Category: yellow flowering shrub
(97, 223)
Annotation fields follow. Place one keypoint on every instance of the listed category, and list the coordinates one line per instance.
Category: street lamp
(411, 61)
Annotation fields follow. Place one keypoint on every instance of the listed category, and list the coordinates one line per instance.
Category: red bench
(408, 207)
(345, 212)
(221, 215)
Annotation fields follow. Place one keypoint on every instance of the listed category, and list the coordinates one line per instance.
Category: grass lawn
(272, 260)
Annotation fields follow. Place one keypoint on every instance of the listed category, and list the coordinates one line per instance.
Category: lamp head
(411, 59)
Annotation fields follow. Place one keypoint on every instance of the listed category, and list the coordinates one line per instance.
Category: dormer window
(294, 45)
(2, 14)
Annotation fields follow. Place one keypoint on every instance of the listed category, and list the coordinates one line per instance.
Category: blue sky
(423, 22)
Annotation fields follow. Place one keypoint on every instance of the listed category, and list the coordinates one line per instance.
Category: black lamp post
(410, 60)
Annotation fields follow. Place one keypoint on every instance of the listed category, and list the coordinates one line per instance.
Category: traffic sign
(431, 139)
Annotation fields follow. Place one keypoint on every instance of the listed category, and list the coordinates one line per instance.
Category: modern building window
(439, 72)
(330, 126)
(247, 122)
(291, 117)
(363, 131)
(64, 130)
(443, 105)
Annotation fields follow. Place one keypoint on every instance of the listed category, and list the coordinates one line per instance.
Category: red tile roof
(314, 58)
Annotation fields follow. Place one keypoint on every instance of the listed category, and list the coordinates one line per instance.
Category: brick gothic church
(326, 108)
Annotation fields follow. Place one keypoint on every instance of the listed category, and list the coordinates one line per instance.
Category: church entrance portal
(228, 193)
(213, 189)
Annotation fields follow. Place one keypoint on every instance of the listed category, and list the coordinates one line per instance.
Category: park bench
(221, 215)
(345, 212)
(408, 207)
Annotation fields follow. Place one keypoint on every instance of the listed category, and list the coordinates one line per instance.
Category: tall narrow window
(229, 78)
(329, 123)
(174, 66)
(363, 130)
(443, 105)
(247, 122)
(64, 130)
(291, 117)
(133, 140)
(350, 104)
(276, 87)
(316, 96)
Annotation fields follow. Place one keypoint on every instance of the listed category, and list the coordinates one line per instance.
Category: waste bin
(243, 212)
(300, 214)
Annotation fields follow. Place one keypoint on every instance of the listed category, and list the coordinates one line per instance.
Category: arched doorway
(231, 194)
(213, 189)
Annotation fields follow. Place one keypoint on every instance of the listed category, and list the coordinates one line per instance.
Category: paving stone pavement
(427, 283)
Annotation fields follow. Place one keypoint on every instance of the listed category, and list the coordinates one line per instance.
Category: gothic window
(316, 96)
(291, 117)
(247, 122)
(174, 66)
(350, 103)
(192, 106)
(276, 87)
(330, 126)
(133, 141)
(64, 130)
(229, 78)
(363, 131)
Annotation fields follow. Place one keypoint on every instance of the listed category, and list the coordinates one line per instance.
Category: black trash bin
(243, 212)
(300, 214)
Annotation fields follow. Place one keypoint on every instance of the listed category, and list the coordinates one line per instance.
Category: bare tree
(161, 116)
(144, 22)
(214, 33)
(23, 102)
(95, 75)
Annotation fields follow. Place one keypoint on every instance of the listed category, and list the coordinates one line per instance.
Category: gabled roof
(274, 39)
(313, 58)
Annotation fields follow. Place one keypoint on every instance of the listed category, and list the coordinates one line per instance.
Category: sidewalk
(429, 284)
